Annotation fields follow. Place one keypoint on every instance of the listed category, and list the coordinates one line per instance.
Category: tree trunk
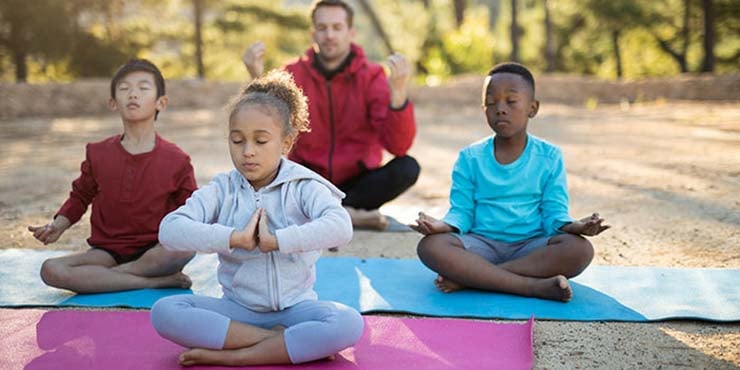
(549, 42)
(21, 68)
(685, 34)
(459, 6)
(376, 24)
(708, 65)
(514, 32)
(198, 17)
(617, 53)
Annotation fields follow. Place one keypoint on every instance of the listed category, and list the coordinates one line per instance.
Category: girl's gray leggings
(314, 329)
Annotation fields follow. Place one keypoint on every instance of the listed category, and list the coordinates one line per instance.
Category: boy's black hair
(319, 3)
(515, 68)
(135, 65)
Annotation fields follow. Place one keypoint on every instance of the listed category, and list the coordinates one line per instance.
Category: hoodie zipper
(275, 293)
(331, 132)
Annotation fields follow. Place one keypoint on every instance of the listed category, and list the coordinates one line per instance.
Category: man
(355, 113)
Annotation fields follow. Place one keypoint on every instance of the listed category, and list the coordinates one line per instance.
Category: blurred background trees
(52, 40)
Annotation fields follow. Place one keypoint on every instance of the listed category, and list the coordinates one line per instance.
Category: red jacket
(351, 119)
(129, 193)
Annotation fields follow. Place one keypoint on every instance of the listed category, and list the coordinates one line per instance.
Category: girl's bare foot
(202, 356)
(555, 288)
(447, 285)
(176, 280)
(364, 219)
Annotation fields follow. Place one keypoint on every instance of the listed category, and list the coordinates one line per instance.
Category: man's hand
(589, 226)
(254, 59)
(267, 241)
(427, 225)
(246, 238)
(399, 78)
(50, 232)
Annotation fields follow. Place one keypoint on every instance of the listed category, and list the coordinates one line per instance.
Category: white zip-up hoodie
(304, 213)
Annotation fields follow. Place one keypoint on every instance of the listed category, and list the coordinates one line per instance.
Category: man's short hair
(515, 68)
(135, 65)
(319, 3)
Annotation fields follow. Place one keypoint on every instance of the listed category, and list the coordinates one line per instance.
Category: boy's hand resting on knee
(246, 238)
(50, 232)
(589, 226)
(427, 225)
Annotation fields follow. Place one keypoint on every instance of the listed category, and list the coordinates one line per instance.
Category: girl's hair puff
(276, 93)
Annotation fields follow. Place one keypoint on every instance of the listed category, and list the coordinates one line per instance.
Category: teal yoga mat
(601, 293)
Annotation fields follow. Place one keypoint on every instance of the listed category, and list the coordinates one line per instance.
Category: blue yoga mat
(601, 293)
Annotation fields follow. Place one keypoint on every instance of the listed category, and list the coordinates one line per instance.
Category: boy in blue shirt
(508, 228)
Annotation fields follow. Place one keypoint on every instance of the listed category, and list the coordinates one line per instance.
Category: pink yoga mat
(78, 340)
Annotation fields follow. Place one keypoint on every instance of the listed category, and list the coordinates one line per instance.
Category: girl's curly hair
(275, 92)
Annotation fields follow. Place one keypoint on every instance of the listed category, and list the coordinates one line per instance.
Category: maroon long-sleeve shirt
(129, 193)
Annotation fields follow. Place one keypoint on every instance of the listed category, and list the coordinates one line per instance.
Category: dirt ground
(666, 176)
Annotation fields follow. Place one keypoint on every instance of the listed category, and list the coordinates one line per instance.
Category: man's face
(331, 34)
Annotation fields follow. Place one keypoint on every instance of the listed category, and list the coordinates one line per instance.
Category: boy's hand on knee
(50, 232)
(267, 241)
(588, 226)
(427, 225)
(247, 238)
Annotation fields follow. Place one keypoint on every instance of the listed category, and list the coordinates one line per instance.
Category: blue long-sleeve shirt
(509, 202)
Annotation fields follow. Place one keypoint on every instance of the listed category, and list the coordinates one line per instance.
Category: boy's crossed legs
(543, 273)
(96, 271)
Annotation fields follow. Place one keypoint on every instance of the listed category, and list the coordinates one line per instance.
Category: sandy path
(666, 177)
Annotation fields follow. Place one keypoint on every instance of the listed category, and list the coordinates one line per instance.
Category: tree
(459, 10)
(514, 32)
(683, 37)
(376, 24)
(707, 8)
(549, 41)
(198, 37)
(42, 27)
(617, 17)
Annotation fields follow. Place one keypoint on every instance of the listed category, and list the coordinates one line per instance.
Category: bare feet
(555, 288)
(447, 285)
(364, 219)
(201, 356)
(176, 280)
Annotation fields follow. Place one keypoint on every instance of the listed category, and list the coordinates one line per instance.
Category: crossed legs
(218, 331)
(96, 271)
(542, 273)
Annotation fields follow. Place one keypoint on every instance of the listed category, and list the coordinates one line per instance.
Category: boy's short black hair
(134, 65)
(515, 68)
(319, 3)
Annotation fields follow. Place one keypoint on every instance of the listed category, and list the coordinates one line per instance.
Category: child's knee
(429, 246)
(53, 272)
(351, 324)
(164, 315)
(584, 249)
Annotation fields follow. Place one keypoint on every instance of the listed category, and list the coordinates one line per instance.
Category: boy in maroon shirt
(132, 181)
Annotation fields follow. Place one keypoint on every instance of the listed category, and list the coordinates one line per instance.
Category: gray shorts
(498, 252)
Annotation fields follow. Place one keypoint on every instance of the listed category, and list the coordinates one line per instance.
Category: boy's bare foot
(555, 288)
(446, 285)
(176, 280)
(364, 219)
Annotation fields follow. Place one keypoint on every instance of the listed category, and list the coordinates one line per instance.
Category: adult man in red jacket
(355, 113)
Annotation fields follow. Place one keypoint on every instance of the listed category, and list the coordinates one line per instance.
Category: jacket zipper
(331, 132)
(274, 295)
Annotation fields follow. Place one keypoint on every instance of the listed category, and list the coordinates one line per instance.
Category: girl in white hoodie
(268, 220)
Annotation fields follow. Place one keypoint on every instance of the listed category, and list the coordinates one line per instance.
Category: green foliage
(63, 40)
